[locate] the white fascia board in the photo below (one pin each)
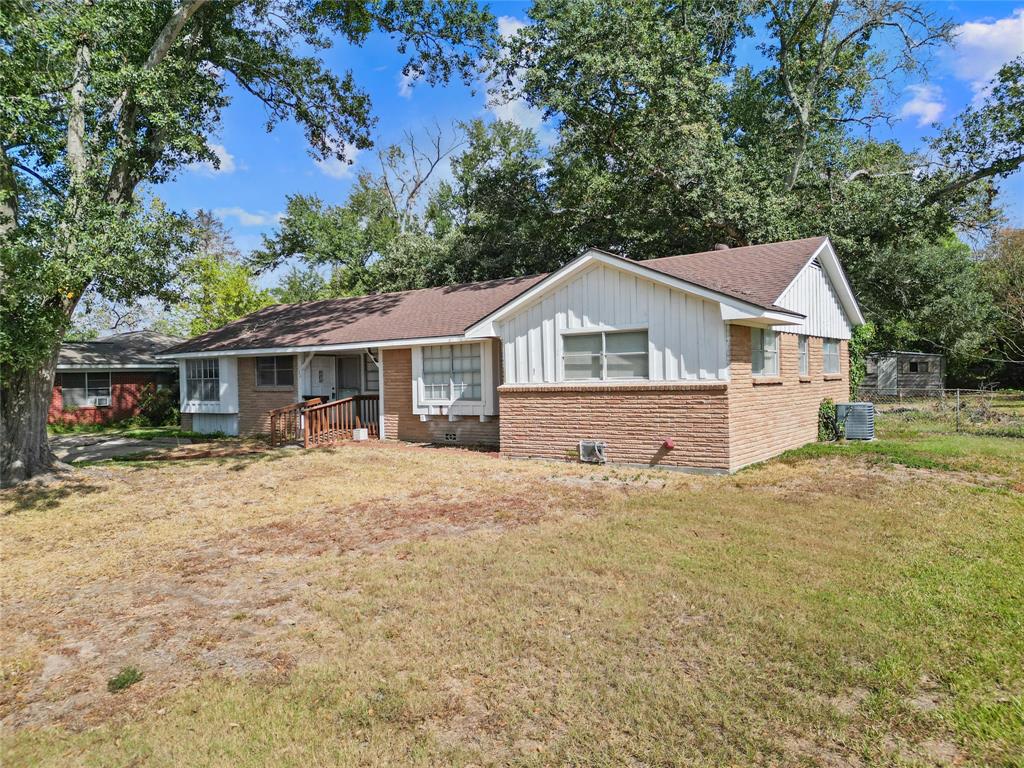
(766, 319)
(826, 254)
(485, 327)
(140, 367)
(359, 345)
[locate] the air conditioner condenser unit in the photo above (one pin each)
(592, 451)
(857, 420)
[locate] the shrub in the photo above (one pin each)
(158, 407)
(126, 678)
(829, 428)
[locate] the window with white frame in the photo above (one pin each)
(202, 380)
(802, 357)
(830, 355)
(371, 374)
(452, 372)
(83, 389)
(276, 371)
(764, 352)
(604, 355)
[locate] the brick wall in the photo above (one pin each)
(634, 420)
(254, 402)
(401, 423)
(769, 416)
(126, 390)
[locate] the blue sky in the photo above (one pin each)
(259, 170)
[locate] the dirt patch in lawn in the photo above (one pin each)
(210, 576)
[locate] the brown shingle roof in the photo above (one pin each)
(754, 273)
(426, 313)
(757, 274)
(134, 349)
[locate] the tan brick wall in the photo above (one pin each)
(634, 420)
(401, 423)
(254, 402)
(775, 415)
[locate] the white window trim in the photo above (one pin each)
(89, 399)
(803, 355)
(603, 332)
(838, 356)
(764, 374)
(486, 406)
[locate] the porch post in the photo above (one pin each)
(379, 362)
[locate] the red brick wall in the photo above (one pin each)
(634, 420)
(401, 423)
(255, 403)
(126, 390)
(768, 417)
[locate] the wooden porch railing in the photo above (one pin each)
(332, 422)
(286, 423)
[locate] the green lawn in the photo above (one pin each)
(847, 605)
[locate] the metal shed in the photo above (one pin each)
(891, 372)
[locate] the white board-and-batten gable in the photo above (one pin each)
(687, 335)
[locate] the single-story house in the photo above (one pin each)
(888, 373)
(103, 381)
(708, 361)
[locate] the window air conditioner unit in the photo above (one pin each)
(100, 402)
(592, 451)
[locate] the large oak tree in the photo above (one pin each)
(102, 97)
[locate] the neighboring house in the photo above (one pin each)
(709, 361)
(102, 381)
(890, 372)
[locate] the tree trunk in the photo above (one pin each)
(24, 405)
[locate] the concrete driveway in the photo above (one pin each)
(99, 447)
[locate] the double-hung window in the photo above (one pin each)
(764, 352)
(802, 356)
(202, 380)
(830, 356)
(83, 389)
(276, 371)
(451, 372)
(604, 355)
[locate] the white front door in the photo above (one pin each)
(321, 374)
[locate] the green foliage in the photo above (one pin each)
(300, 285)
(99, 99)
(159, 407)
(1002, 272)
(126, 678)
(930, 298)
(829, 428)
(861, 342)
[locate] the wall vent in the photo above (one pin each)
(592, 451)
(857, 419)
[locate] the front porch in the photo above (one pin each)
(313, 423)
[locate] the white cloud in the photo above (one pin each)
(982, 47)
(340, 169)
(509, 25)
(247, 218)
(405, 83)
(515, 110)
(926, 104)
(225, 158)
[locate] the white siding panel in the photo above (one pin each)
(812, 294)
(686, 334)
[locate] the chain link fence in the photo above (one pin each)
(981, 411)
